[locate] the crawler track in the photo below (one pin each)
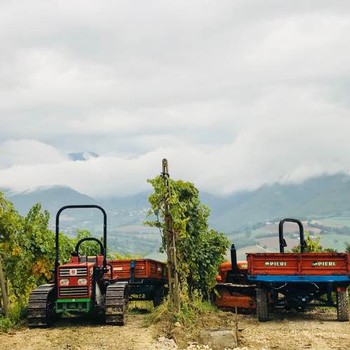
(41, 312)
(116, 303)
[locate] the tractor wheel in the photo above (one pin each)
(343, 305)
(262, 307)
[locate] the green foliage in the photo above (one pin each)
(347, 248)
(5, 324)
(199, 249)
(27, 250)
(17, 312)
(117, 256)
(27, 253)
(38, 244)
(192, 314)
(192, 309)
(88, 247)
(66, 246)
(313, 245)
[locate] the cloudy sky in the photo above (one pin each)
(234, 93)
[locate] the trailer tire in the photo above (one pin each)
(158, 296)
(343, 305)
(262, 307)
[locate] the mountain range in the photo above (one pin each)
(325, 196)
(315, 198)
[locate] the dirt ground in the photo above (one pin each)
(78, 334)
(314, 330)
(288, 331)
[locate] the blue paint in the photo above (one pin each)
(299, 278)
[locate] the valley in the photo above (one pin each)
(249, 219)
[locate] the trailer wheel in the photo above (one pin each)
(343, 305)
(262, 307)
(158, 297)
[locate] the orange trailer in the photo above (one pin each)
(147, 278)
(299, 280)
(285, 280)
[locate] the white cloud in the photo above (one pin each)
(236, 94)
(27, 153)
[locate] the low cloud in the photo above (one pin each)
(27, 152)
(235, 94)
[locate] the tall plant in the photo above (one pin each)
(199, 249)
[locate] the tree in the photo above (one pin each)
(199, 249)
(39, 242)
(27, 248)
(88, 247)
(347, 247)
(10, 242)
(313, 245)
(27, 252)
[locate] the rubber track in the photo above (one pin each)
(116, 303)
(41, 311)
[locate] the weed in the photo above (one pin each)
(5, 324)
(140, 307)
(17, 313)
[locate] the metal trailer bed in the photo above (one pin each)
(147, 278)
(299, 280)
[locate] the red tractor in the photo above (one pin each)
(84, 285)
(233, 290)
(298, 281)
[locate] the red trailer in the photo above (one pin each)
(147, 278)
(285, 280)
(299, 265)
(299, 280)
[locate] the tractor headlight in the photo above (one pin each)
(64, 282)
(82, 281)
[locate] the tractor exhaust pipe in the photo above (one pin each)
(234, 265)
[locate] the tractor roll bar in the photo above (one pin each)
(58, 230)
(301, 234)
(93, 239)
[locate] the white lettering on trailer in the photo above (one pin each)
(275, 263)
(323, 263)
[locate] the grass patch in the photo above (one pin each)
(140, 307)
(185, 325)
(17, 314)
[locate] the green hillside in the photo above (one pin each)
(323, 201)
(325, 196)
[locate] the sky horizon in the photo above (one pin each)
(234, 94)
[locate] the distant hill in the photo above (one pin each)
(125, 217)
(51, 198)
(315, 199)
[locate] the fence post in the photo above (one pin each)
(170, 238)
(4, 298)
